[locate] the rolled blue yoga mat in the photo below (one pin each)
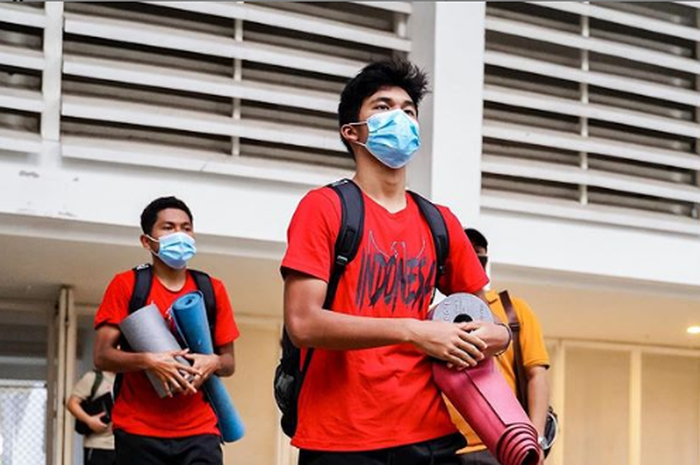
(191, 321)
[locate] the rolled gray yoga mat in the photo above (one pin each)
(146, 331)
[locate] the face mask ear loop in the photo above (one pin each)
(356, 123)
(152, 239)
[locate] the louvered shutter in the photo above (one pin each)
(217, 79)
(591, 112)
(21, 66)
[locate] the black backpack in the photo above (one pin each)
(289, 378)
(139, 296)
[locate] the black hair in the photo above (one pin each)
(397, 72)
(477, 239)
(149, 216)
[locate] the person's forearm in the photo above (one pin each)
(309, 325)
(119, 361)
(227, 365)
(76, 410)
(497, 339)
(338, 331)
(496, 336)
(538, 399)
(482, 295)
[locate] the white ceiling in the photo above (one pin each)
(35, 269)
(592, 307)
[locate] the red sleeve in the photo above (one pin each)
(312, 233)
(115, 303)
(463, 272)
(225, 329)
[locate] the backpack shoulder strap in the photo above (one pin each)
(143, 281)
(99, 376)
(352, 220)
(347, 243)
(513, 321)
(438, 229)
(204, 284)
(518, 367)
(142, 287)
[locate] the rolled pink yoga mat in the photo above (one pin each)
(482, 396)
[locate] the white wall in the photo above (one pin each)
(448, 42)
(255, 199)
(49, 186)
(596, 249)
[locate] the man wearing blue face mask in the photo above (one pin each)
(182, 427)
(367, 395)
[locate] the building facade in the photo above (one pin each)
(566, 132)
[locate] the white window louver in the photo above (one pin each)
(221, 79)
(591, 112)
(21, 66)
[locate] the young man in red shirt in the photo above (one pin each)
(181, 428)
(368, 396)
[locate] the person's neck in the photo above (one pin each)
(384, 185)
(171, 278)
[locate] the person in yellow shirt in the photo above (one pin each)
(535, 361)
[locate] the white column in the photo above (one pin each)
(557, 399)
(635, 414)
(60, 384)
(71, 330)
(51, 377)
(51, 81)
(448, 42)
(237, 77)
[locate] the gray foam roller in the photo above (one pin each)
(146, 331)
(462, 307)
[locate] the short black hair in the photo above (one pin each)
(149, 216)
(477, 239)
(397, 72)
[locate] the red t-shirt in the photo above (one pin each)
(382, 397)
(138, 409)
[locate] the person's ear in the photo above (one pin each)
(349, 133)
(146, 242)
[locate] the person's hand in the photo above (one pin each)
(170, 372)
(494, 335)
(205, 364)
(450, 342)
(95, 424)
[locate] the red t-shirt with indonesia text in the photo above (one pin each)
(138, 409)
(381, 397)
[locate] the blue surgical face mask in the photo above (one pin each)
(175, 249)
(393, 137)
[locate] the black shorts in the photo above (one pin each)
(133, 449)
(98, 456)
(440, 451)
(482, 457)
